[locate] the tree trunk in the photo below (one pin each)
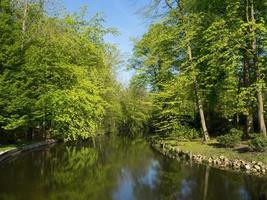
(261, 113)
(199, 102)
(258, 73)
(24, 21)
(246, 84)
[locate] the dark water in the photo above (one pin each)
(118, 169)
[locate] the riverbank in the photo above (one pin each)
(212, 154)
(12, 150)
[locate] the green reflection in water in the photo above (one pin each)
(119, 169)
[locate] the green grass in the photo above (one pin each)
(212, 148)
(14, 146)
(7, 147)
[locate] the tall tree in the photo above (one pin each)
(254, 47)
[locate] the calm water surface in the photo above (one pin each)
(118, 169)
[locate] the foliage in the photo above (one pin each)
(231, 139)
(258, 144)
(185, 133)
(135, 106)
(57, 75)
(204, 64)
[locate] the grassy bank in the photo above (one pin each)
(213, 149)
(7, 147)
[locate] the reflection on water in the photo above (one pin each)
(150, 177)
(126, 186)
(119, 169)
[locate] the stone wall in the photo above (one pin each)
(253, 167)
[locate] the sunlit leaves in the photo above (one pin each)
(59, 89)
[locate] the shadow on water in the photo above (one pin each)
(119, 169)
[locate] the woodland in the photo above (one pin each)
(200, 72)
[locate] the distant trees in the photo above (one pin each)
(136, 107)
(57, 77)
(205, 64)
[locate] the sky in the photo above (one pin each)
(121, 14)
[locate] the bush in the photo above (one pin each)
(237, 132)
(231, 139)
(185, 133)
(258, 143)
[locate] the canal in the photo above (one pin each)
(119, 169)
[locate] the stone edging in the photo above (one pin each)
(255, 168)
(6, 154)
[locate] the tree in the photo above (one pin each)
(53, 83)
(254, 47)
(219, 48)
(187, 28)
(10, 60)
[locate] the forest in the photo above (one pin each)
(57, 75)
(200, 72)
(204, 64)
(189, 124)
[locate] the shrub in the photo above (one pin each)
(258, 143)
(231, 139)
(184, 132)
(237, 132)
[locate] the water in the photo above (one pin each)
(118, 169)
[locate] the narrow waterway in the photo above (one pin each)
(118, 169)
